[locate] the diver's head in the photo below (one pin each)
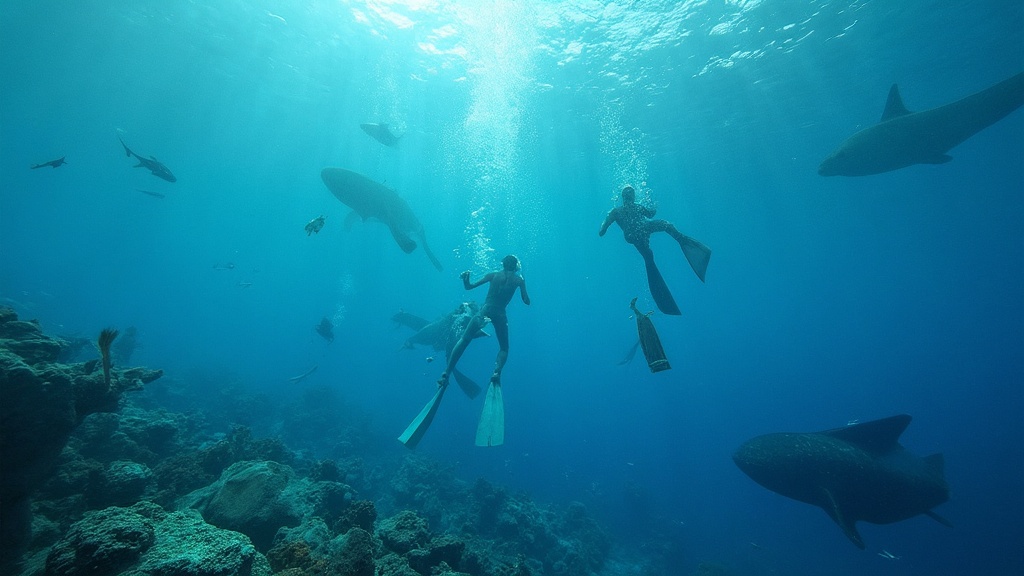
(510, 263)
(628, 195)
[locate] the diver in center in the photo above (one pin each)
(637, 223)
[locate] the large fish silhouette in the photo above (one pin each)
(370, 199)
(855, 473)
(903, 138)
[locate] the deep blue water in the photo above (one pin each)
(827, 299)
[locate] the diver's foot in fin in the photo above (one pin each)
(443, 380)
(496, 379)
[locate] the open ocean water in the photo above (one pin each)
(827, 300)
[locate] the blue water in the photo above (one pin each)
(827, 299)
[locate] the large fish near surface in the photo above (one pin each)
(903, 138)
(370, 199)
(381, 133)
(856, 473)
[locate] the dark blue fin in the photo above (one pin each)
(848, 525)
(878, 436)
(894, 107)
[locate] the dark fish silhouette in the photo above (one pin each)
(369, 199)
(151, 164)
(903, 138)
(52, 163)
(856, 473)
(381, 133)
(325, 329)
(443, 334)
(153, 194)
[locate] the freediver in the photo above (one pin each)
(502, 286)
(637, 223)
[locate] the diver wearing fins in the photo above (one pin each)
(502, 286)
(636, 221)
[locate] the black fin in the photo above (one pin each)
(877, 436)
(938, 518)
(848, 526)
(894, 107)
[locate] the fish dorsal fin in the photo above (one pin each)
(877, 436)
(849, 528)
(894, 107)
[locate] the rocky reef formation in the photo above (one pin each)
(111, 488)
(43, 402)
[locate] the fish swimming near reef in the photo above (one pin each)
(52, 163)
(370, 199)
(151, 164)
(381, 133)
(903, 138)
(855, 473)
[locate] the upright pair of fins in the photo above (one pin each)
(490, 431)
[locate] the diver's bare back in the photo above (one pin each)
(500, 291)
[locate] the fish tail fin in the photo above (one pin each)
(127, 152)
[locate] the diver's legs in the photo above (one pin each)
(501, 332)
(659, 289)
(467, 336)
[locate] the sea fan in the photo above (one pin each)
(106, 338)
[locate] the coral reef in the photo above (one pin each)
(118, 489)
(144, 539)
(43, 403)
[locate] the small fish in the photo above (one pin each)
(430, 359)
(153, 194)
(52, 163)
(244, 284)
(888, 555)
(303, 376)
(315, 225)
(225, 266)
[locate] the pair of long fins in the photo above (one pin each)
(696, 253)
(489, 432)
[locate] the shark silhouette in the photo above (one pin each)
(855, 473)
(369, 199)
(903, 138)
(381, 133)
(52, 163)
(151, 164)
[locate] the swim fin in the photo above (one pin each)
(466, 383)
(696, 254)
(649, 341)
(414, 433)
(659, 289)
(491, 430)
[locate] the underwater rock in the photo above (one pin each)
(104, 542)
(355, 554)
(247, 499)
(392, 564)
(359, 514)
(297, 557)
(444, 550)
(145, 539)
(125, 481)
(43, 402)
(404, 532)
